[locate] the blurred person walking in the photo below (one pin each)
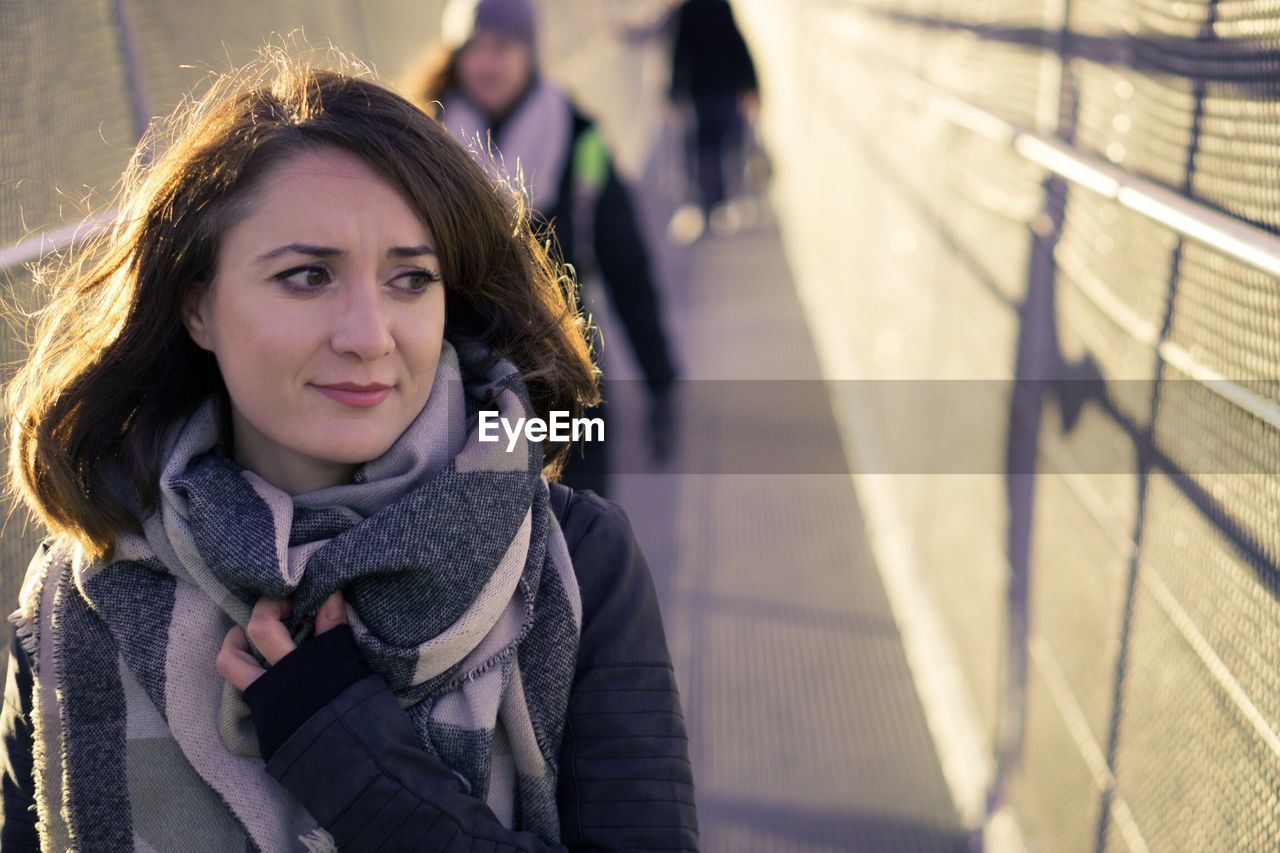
(485, 85)
(714, 78)
(293, 599)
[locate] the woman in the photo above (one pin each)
(486, 88)
(291, 600)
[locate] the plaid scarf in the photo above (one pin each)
(460, 593)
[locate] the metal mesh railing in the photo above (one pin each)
(971, 192)
(1086, 191)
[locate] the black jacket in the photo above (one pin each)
(709, 58)
(346, 750)
(617, 248)
(603, 235)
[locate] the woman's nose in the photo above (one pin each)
(363, 328)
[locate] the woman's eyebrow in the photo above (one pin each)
(328, 251)
(301, 249)
(411, 251)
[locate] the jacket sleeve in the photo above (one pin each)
(18, 818)
(357, 767)
(623, 258)
(625, 777)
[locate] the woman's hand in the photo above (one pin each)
(266, 629)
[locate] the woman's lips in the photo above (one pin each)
(355, 394)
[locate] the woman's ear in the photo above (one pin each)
(196, 316)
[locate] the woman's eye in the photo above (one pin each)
(418, 280)
(305, 278)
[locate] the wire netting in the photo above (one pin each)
(1145, 548)
(1136, 707)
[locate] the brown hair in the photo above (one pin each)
(111, 365)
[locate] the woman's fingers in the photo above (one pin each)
(269, 636)
(267, 632)
(332, 613)
(234, 663)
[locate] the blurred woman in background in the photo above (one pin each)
(485, 86)
(291, 600)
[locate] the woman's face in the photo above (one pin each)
(326, 316)
(493, 69)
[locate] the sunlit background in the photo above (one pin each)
(1033, 243)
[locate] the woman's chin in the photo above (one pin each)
(354, 455)
(348, 449)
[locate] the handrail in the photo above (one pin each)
(42, 243)
(1246, 243)
(1249, 244)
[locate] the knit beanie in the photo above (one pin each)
(516, 19)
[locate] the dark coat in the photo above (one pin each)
(336, 738)
(710, 58)
(616, 247)
(594, 227)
